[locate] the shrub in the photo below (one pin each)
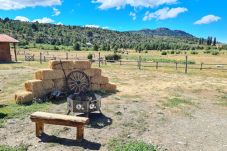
(207, 51)
(146, 51)
(164, 53)
(90, 56)
(172, 52)
(177, 52)
(194, 52)
(215, 53)
(113, 57)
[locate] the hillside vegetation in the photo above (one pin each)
(32, 34)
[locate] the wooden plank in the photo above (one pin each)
(51, 118)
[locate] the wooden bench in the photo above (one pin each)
(41, 118)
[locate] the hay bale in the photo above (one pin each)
(59, 84)
(33, 85)
(82, 65)
(109, 87)
(23, 97)
(99, 80)
(93, 72)
(56, 65)
(67, 72)
(95, 87)
(48, 84)
(36, 87)
(49, 74)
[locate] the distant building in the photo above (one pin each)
(5, 41)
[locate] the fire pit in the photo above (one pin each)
(81, 99)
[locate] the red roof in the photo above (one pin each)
(6, 38)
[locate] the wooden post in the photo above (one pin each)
(40, 57)
(15, 51)
(105, 61)
(156, 65)
(39, 128)
(139, 62)
(99, 59)
(201, 66)
(120, 62)
(44, 58)
(176, 65)
(66, 56)
(186, 64)
(80, 132)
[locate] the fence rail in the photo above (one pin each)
(138, 63)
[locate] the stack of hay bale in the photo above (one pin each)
(48, 80)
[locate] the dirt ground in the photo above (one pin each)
(141, 110)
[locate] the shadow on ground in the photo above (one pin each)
(70, 142)
(99, 120)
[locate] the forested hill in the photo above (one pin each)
(35, 33)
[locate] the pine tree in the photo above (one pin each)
(214, 42)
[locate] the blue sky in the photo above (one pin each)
(201, 18)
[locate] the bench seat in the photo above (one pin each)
(41, 118)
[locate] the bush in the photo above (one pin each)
(207, 51)
(113, 57)
(90, 56)
(172, 52)
(164, 53)
(177, 52)
(194, 52)
(215, 53)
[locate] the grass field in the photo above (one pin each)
(165, 108)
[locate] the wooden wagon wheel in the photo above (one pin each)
(77, 82)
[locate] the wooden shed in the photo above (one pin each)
(5, 41)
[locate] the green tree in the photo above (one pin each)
(76, 47)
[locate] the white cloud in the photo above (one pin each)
(92, 26)
(56, 12)
(19, 4)
(106, 4)
(105, 27)
(59, 23)
(96, 26)
(133, 15)
(207, 19)
(164, 13)
(22, 18)
(44, 20)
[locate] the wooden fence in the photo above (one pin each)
(137, 63)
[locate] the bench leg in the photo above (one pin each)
(39, 128)
(80, 132)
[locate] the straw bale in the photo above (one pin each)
(36, 87)
(99, 80)
(59, 84)
(95, 87)
(108, 87)
(23, 97)
(49, 74)
(48, 84)
(82, 65)
(56, 65)
(93, 72)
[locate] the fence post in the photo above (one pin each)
(201, 66)
(120, 62)
(67, 56)
(40, 57)
(139, 62)
(99, 59)
(105, 61)
(44, 58)
(176, 65)
(156, 65)
(186, 64)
